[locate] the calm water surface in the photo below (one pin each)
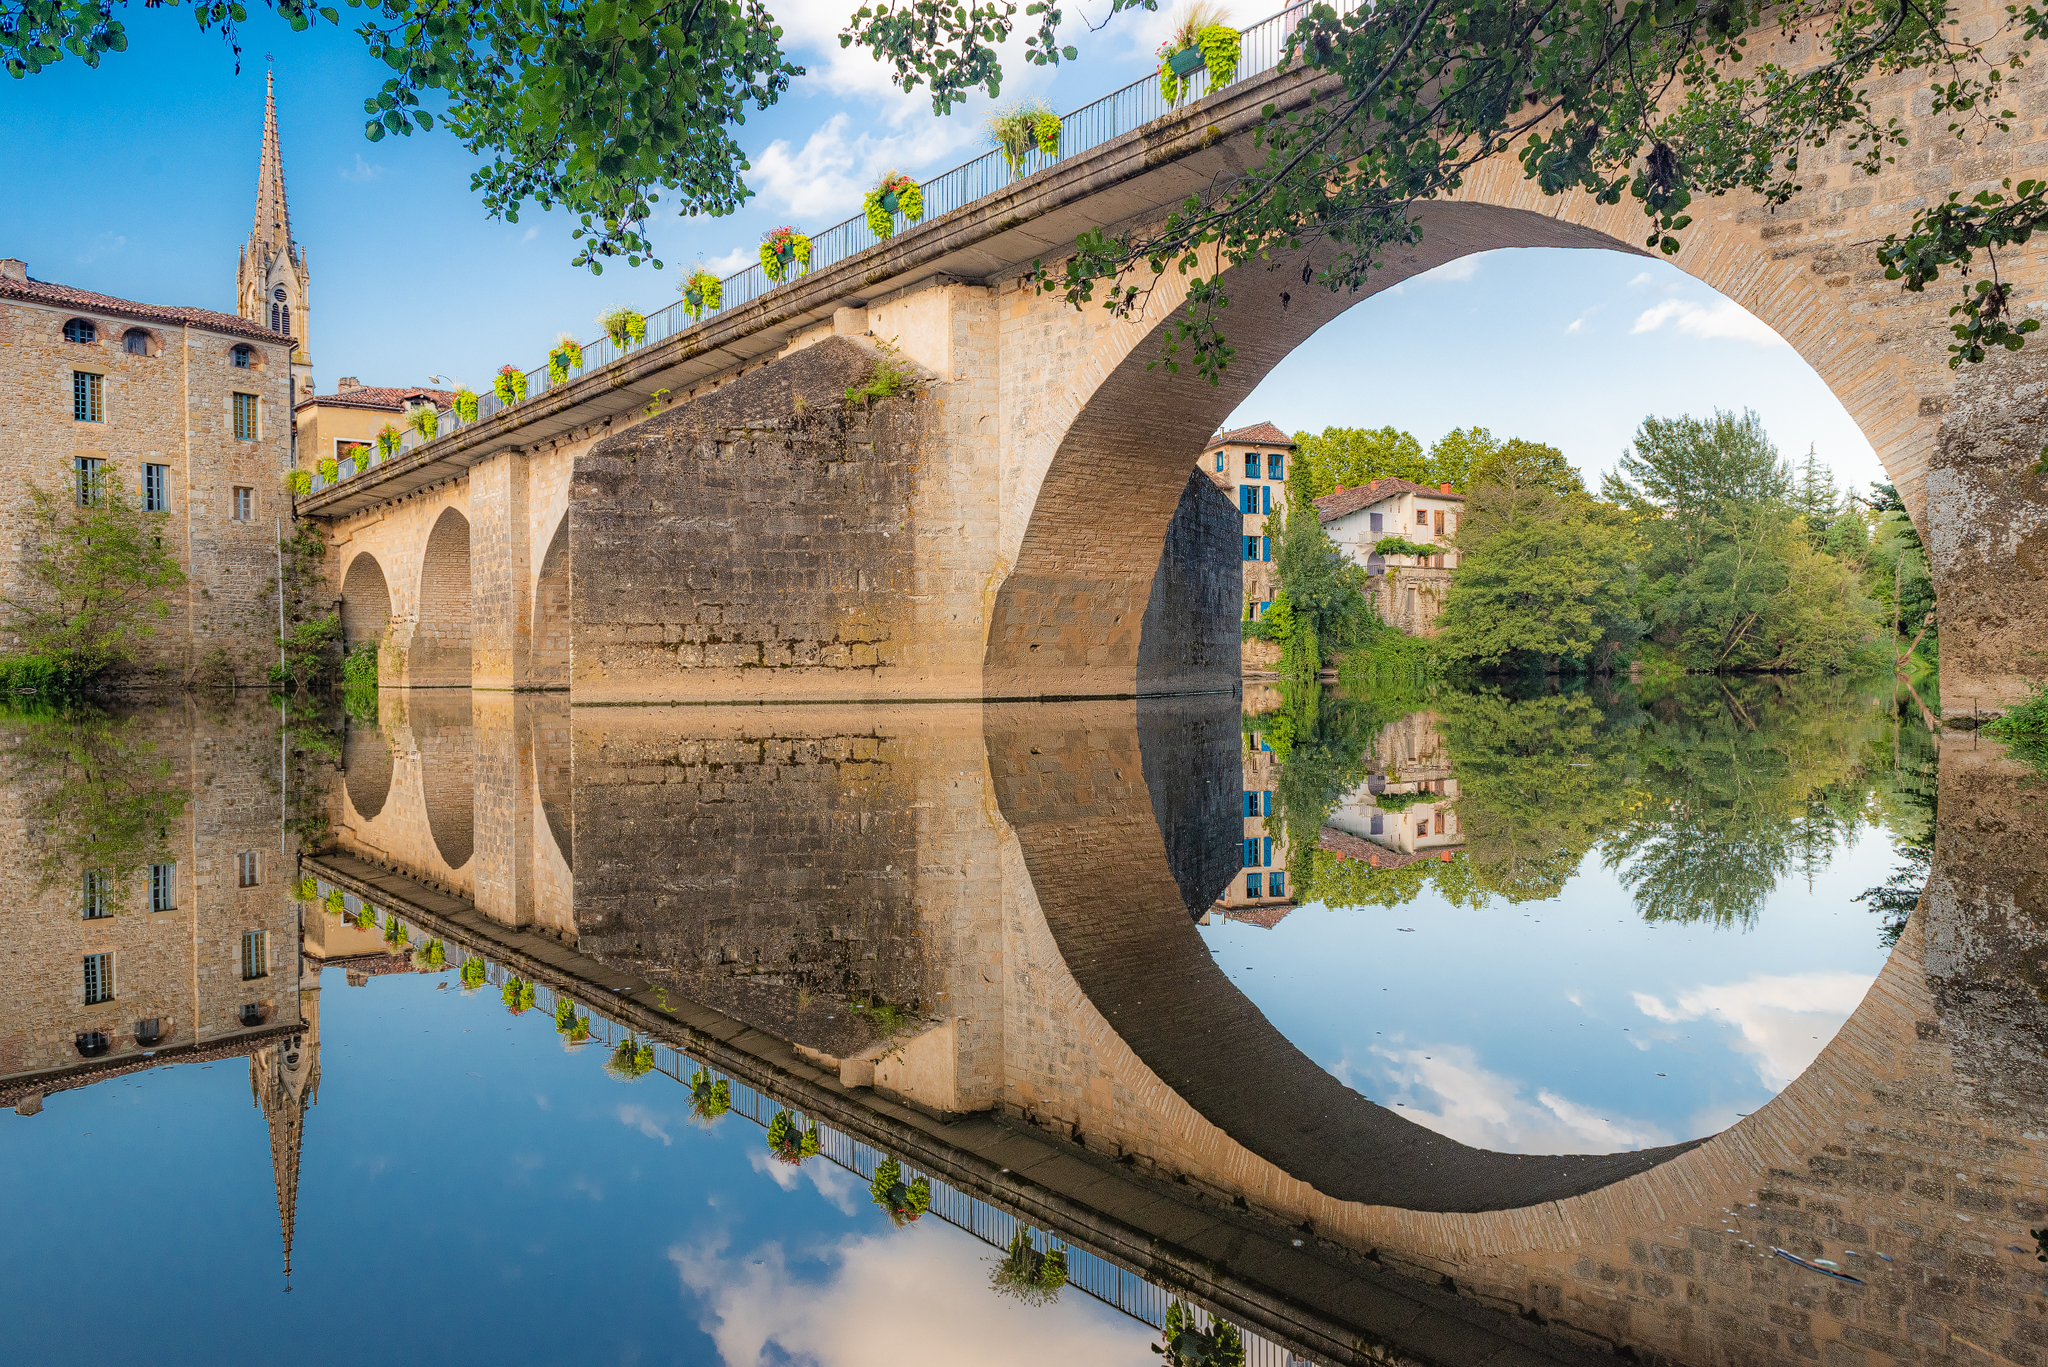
(343, 1090)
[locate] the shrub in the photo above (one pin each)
(568, 1024)
(388, 438)
(1021, 127)
(790, 1140)
(1034, 1277)
(517, 994)
(510, 384)
(909, 203)
(903, 1202)
(889, 379)
(472, 974)
(463, 402)
(631, 1060)
(329, 468)
(298, 483)
(709, 1099)
(2024, 728)
(305, 890)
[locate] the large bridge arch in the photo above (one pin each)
(365, 602)
(440, 654)
(1062, 622)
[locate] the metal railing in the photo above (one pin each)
(1115, 114)
(1113, 1285)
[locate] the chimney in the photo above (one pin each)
(1446, 488)
(345, 384)
(13, 268)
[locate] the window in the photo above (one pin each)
(1265, 607)
(243, 505)
(79, 330)
(148, 1032)
(1276, 884)
(1421, 518)
(245, 417)
(255, 955)
(88, 469)
(1378, 524)
(163, 887)
(242, 358)
(1219, 462)
(357, 451)
(1251, 548)
(1379, 824)
(251, 1014)
(156, 485)
(1251, 852)
(1251, 885)
(245, 873)
(135, 342)
(1439, 823)
(1266, 799)
(1439, 522)
(1251, 804)
(1275, 469)
(99, 978)
(1251, 465)
(87, 397)
(281, 318)
(93, 895)
(1248, 498)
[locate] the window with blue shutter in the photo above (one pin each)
(1274, 468)
(1268, 807)
(1276, 885)
(1247, 498)
(1265, 498)
(1251, 466)
(1265, 548)
(1251, 804)
(1379, 824)
(1219, 462)
(1251, 885)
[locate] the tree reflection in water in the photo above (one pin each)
(1701, 796)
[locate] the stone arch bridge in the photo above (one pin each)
(708, 518)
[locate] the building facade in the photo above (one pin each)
(344, 425)
(187, 413)
(1259, 894)
(1250, 466)
(1408, 586)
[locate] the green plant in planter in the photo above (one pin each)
(395, 932)
(298, 482)
(1034, 1277)
(703, 292)
(305, 890)
(329, 468)
(783, 248)
(564, 356)
(472, 974)
(517, 994)
(366, 919)
(791, 1141)
(334, 904)
(626, 327)
(509, 384)
(1401, 545)
(1220, 1345)
(573, 1028)
(463, 401)
(631, 1060)
(1021, 127)
(430, 956)
(709, 1099)
(1200, 38)
(425, 421)
(388, 438)
(903, 1202)
(1401, 802)
(895, 194)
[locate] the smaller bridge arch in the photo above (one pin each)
(365, 602)
(440, 655)
(549, 664)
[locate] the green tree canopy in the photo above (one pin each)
(1457, 453)
(1351, 456)
(1684, 473)
(1519, 464)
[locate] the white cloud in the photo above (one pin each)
(826, 177)
(1574, 326)
(1641, 278)
(738, 259)
(1464, 268)
(1784, 1021)
(1724, 318)
(1446, 1089)
(530, 233)
(829, 1179)
(362, 170)
(758, 1310)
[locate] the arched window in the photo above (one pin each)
(286, 309)
(135, 342)
(276, 318)
(243, 357)
(80, 330)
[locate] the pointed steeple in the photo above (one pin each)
(272, 233)
(272, 285)
(284, 1080)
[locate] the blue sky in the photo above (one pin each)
(147, 167)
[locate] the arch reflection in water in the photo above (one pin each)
(991, 910)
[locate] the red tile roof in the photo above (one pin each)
(382, 397)
(1258, 434)
(85, 301)
(1332, 506)
(1345, 845)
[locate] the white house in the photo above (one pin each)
(1408, 587)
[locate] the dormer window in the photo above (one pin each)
(243, 357)
(80, 330)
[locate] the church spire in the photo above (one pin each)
(284, 1080)
(272, 284)
(272, 233)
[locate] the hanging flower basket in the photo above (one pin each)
(298, 482)
(573, 1028)
(330, 469)
(626, 327)
(510, 385)
(896, 194)
(708, 1099)
(425, 421)
(782, 249)
(464, 404)
(472, 974)
(517, 994)
(703, 292)
(387, 441)
(631, 1060)
(1199, 40)
(790, 1140)
(902, 1201)
(565, 356)
(1022, 127)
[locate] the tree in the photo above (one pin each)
(1684, 474)
(1457, 453)
(1761, 597)
(1516, 463)
(1351, 456)
(95, 576)
(1817, 499)
(1327, 607)
(1543, 579)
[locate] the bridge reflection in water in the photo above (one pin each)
(964, 936)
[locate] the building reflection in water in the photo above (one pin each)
(964, 938)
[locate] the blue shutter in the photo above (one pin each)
(1268, 795)
(1265, 498)
(1265, 548)
(1276, 885)
(1269, 851)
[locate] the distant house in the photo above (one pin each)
(340, 424)
(1408, 588)
(1250, 466)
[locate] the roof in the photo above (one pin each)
(1258, 434)
(1345, 502)
(382, 397)
(85, 301)
(1345, 845)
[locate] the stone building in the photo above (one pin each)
(1408, 589)
(272, 284)
(188, 413)
(1407, 807)
(1258, 894)
(1249, 464)
(338, 426)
